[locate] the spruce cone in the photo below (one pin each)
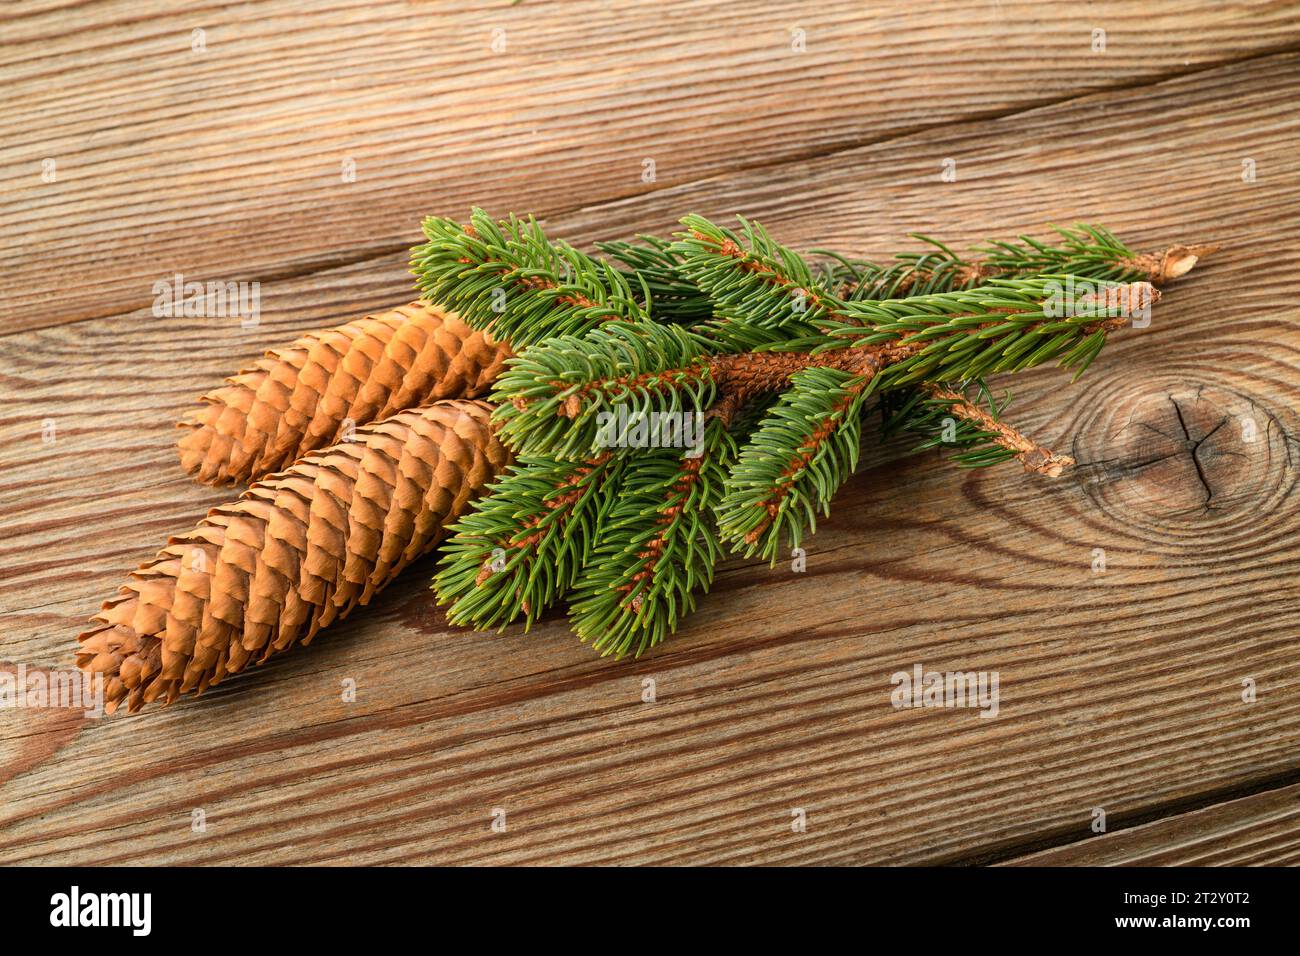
(302, 397)
(295, 552)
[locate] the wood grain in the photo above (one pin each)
(228, 163)
(1260, 829)
(1120, 689)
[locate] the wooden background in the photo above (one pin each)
(1120, 691)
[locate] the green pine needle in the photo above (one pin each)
(654, 264)
(1089, 251)
(911, 273)
(752, 279)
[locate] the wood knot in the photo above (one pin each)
(1164, 455)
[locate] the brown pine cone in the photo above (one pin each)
(302, 397)
(295, 552)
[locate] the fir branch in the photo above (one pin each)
(802, 452)
(1093, 252)
(654, 264)
(808, 445)
(508, 278)
(767, 296)
(951, 420)
(1086, 251)
(1006, 325)
(757, 285)
(658, 546)
(524, 543)
(1029, 453)
(561, 395)
(910, 273)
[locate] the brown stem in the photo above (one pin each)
(745, 375)
(740, 376)
(1174, 263)
(1033, 456)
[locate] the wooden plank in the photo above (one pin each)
(1259, 830)
(1119, 690)
(228, 163)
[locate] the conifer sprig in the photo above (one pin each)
(659, 546)
(525, 542)
(937, 269)
(972, 427)
(568, 395)
(1007, 325)
(764, 294)
(988, 439)
(1086, 251)
(509, 278)
(801, 453)
(555, 394)
(1092, 252)
(711, 327)
(767, 296)
(654, 264)
(952, 337)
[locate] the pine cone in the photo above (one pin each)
(302, 397)
(295, 552)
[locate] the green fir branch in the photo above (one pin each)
(1088, 251)
(931, 418)
(1007, 325)
(509, 278)
(658, 546)
(569, 396)
(522, 545)
(764, 294)
(654, 263)
(938, 269)
(796, 460)
(808, 445)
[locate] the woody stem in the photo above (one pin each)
(1029, 453)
